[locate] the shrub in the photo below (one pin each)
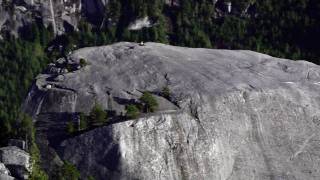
(69, 68)
(70, 127)
(83, 62)
(132, 111)
(83, 121)
(69, 172)
(90, 178)
(149, 102)
(97, 115)
(26, 126)
(166, 92)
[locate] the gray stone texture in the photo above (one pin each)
(61, 15)
(16, 160)
(232, 114)
(3, 169)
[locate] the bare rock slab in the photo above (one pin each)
(230, 115)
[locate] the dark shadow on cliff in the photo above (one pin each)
(53, 125)
(111, 159)
(99, 148)
(123, 101)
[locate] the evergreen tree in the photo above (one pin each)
(68, 172)
(132, 111)
(97, 115)
(149, 102)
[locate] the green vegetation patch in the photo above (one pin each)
(98, 115)
(133, 111)
(149, 102)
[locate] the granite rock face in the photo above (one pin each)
(6, 177)
(230, 115)
(3, 169)
(61, 15)
(16, 160)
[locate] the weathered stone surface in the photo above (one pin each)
(6, 177)
(242, 115)
(16, 160)
(12, 155)
(3, 169)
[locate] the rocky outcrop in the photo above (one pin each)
(6, 177)
(3, 169)
(231, 115)
(61, 15)
(16, 160)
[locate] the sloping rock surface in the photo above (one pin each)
(16, 160)
(233, 114)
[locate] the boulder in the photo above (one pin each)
(230, 115)
(61, 61)
(16, 160)
(4, 170)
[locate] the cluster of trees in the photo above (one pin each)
(287, 29)
(26, 131)
(20, 61)
(69, 172)
(148, 104)
(98, 116)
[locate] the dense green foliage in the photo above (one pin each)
(149, 102)
(68, 172)
(288, 28)
(37, 172)
(27, 131)
(20, 61)
(132, 111)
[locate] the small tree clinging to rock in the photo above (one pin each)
(70, 127)
(83, 121)
(68, 172)
(132, 111)
(149, 102)
(83, 62)
(165, 92)
(97, 115)
(26, 126)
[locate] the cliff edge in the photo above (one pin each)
(230, 115)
